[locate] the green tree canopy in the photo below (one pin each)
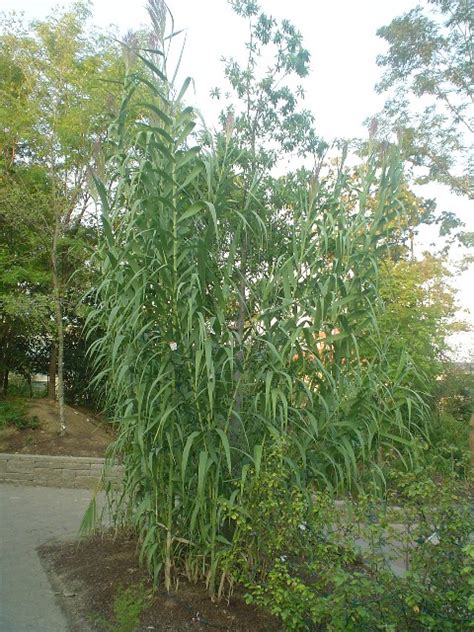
(428, 74)
(56, 101)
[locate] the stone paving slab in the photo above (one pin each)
(30, 516)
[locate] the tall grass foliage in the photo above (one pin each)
(205, 364)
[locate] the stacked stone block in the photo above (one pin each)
(82, 472)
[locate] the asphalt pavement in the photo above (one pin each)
(30, 516)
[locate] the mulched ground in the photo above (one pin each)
(86, 434)
(92, 573)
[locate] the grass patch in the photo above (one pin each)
(13, 413)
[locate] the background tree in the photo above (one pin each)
(419, 312)
(62, 71)
(428, 72)
(25, 300)
(25, 280)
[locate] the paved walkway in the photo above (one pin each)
(30, 516)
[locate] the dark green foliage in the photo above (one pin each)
(78, 373)
(56, 99)
(21, 388)
(25, 296)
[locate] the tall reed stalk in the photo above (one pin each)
(198, 397)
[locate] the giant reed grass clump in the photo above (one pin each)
(228, 321)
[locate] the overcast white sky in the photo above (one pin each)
(341, 37)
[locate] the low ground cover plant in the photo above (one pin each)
(129, 604)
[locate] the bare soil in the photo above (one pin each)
(93, 573)
(86, 434)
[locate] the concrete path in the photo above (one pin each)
(30, 516)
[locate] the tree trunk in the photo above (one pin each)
(471, 440)
(5, 382)
(4, 363)
(53, 367)
(58, 313)
(59, 324)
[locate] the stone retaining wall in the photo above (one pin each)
(55, 471)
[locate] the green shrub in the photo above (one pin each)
(338, 567)
(455, 392)
(468, 571)
(448, 452)
(443, 454)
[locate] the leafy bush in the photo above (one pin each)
(455, 392)
(442, 453)
(448, 452)
(468, 571)
(374, 563)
